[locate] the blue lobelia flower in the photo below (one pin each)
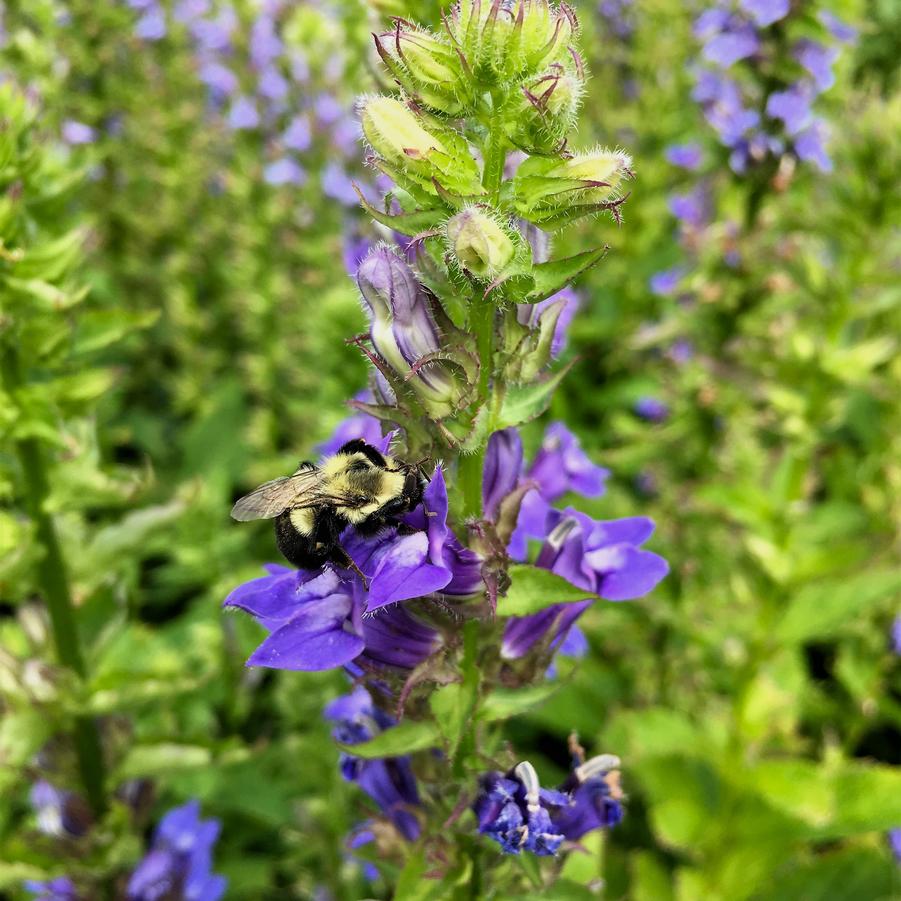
(360, 425)
(896, 635)
(817, 59)
(735, 40)
(513, 810)
(595, 795)
(810, 146)
(152, 25)
(691, 208)
(667, 281)
(561, 466)
(59, 812)
(389, 781)
(179, 863)
(792, 107)
(299, 134)
(243, 114)
(651, 409)
(77, 133)
(530, 314)
(60, 889)
(765, 12)
(284, 171)
(555, 624)
(840, 30)
(686, 156)
(894, 838)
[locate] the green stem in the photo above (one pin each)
(495, 157)
(53, 579)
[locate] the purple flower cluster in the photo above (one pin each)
(178, 866)
(618, 16)
(731, 104)
(516, 812)
(602, 557)
(389, 781)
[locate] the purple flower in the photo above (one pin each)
(894, 837)
(723, 107)
(265, 44)
(328, 110)
(337, 184)
(243, 114)
(513, 810)
(553, 624)
(60, 889)
(667, 281)
(711, 22)
(389, 781)
(686, 156)
(651, 409)
(362, 835)
(603, 557)
(220, 80)
(77, 132)
(561, 466)
(357, 426)
(284, 171)
(818, 60)
(179, 862)
(213, 36)
(272, 84)
(810, 146)
(691, 208)
(501, 470)
(765, 12)
(404, 330)
(356, 248)
(594, 789)
(791, 106)
(753, 149)
(728, 47)
(681, 351)
(186, 11)
(840, 30)
(896, 635)
(298, 135)
(59, 812)
(152, 25)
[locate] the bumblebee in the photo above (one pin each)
(358, 486)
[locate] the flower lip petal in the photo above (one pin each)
(293, 647)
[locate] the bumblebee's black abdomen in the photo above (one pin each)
(313, 550)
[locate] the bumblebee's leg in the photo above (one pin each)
(341, 558)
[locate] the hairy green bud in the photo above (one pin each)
(545, 109)
(480, 245)
(428, 154)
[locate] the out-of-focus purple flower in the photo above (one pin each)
(152, 25)
(646, 484)
(711, 22)
(691, 208)
(394, 638)
(356, 248)
(357, 426)
(791, 106)
(652, 409)
(561, 466)
(213, 36)
(77, 133)
(810, 146)
(765, 12)
(265, 44)
(346, 135)
(243, 114)
(179, 863)
(362, 835)
(618, 17)
(894, 838)
(686, 156)
(595, 791)
(728, 47)
(603, 557)
(553, 624)
(723, 106)
(284, 171)
(337, 184)
(327, 109)
(501, 470)
(840, 30)
(220, 80)
(59, 813)
(513, 810)
(896, 635)
(752, 150)
(681, 351)
(300, 68)
(187, 11)
(60, 889)
(389, 781)
(272, 84)
(818, 60)
(298, 135)
(667, 281)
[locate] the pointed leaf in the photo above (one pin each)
(532, 589)
(404, 738)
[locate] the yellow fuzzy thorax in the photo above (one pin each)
(376, 484)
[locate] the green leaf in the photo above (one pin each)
(523, 403)
(532, 589)
(413, 223)
(143, 761)
(505, 703)
(404, 738)
(553, 275)
(98, 329)
(822, 610)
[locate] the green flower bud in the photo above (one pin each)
(550, 192)
(415, 147)
(479, 244)
(427, 67)
(544, 110)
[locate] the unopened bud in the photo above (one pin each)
(605, 170)
(545, 110)
(480, 245)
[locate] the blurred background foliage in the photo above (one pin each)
(178, 322)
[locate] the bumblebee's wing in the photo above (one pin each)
(304, 488)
